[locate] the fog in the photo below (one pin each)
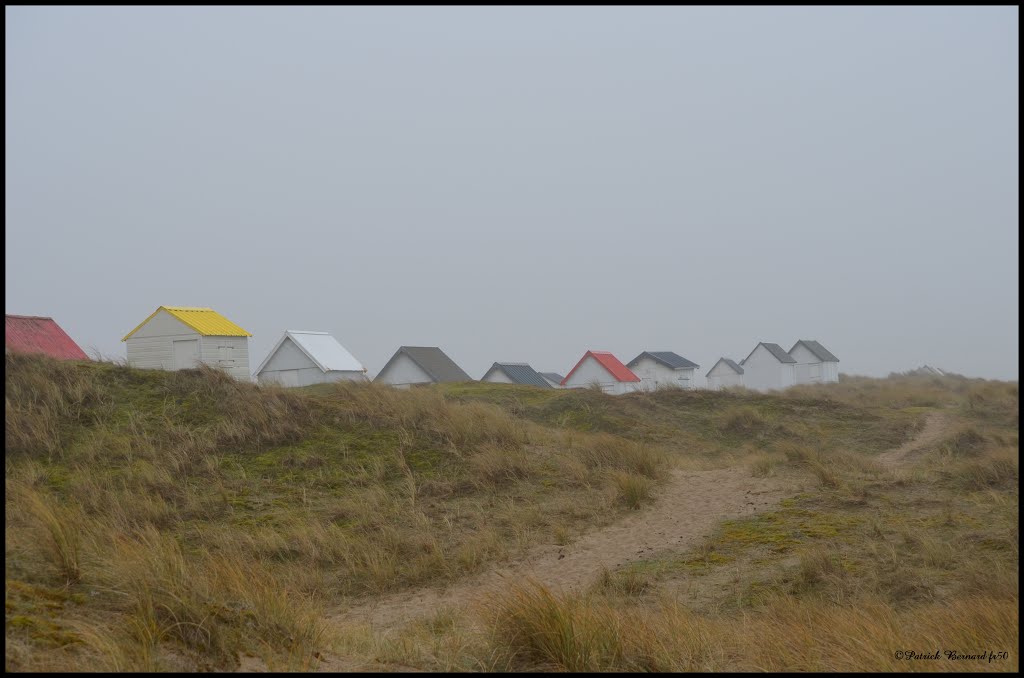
(524, 183)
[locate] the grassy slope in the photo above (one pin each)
(181, 520)
(839, 578)
(712, 424)
(866, 562)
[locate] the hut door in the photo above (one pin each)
(186, 353)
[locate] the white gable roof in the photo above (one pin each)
(320, 347)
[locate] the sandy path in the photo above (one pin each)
(935, 426)
(688, 508)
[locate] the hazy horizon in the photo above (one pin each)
(522, 184)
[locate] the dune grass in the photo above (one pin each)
(204, 520)
(532, 629)
(870, 568)
(185, 521)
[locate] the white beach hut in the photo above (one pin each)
(768, 368)
(815, 364)
(725, 373)
(663, 369)
(303, 358)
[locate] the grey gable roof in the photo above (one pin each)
(666, 358)
(727, 361)
(819, 351)
(521, 373)
(553, 376)
(435, 363)
(775, 350)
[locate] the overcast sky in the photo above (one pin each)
(524, 183)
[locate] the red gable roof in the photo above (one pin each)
(31, 334)
(610, 363)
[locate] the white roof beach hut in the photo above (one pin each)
(605, 370)
(302, 358)
(420, 365)
(663, 369)
(514, 373)
(815, 364)
(182, 337)
(768, 368)
(725, 373)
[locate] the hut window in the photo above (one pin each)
(227, 354)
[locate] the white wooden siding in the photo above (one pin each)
(288, 357)
(721, 381)
(186, 353)
(284, 377)
(762, 371)
(722, 376)
(239, 365)
(830, 372)
(496, 375)
(655, 375)
(803, 371)
(151, 348)
(150, 353)
(308, 376)
(402, 372)
(163, 324)
(337, 375)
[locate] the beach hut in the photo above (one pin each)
(514, 373)
(815, 364)
(554, 379)
(768, 368)
(303, 358)
(663, 369)
(726, 372)
(182, 337)
(605, 370)
(39, 334)
(420, 365)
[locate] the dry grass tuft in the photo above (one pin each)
(59, 524)
(631, 489)
(629, 582)
(964, 442)
(532, 629)
(742, 420)
(798, 454)
(998, 468)
(762, 467)
(606, 452)
(494, 466)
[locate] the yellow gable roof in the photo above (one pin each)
(205, 321)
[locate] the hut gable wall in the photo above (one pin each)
(403, 370)
(289, 357)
